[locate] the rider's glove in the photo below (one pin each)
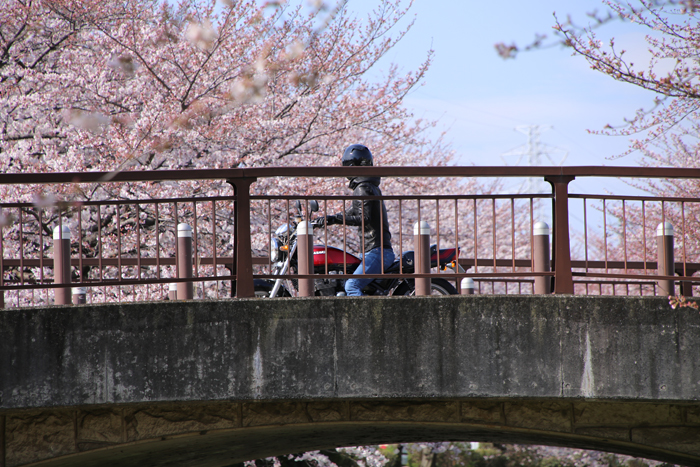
(332, 219)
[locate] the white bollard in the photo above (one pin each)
(172, 291)
(305, 257)
(467, 286)
(61, 264)
(185, 290)
(79, 295)
(665, 262)
(541, 257)
(421, 242)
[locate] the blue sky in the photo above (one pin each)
(479, 98)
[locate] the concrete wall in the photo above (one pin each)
(434, 347)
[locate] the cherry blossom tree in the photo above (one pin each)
(360, 456)
(663, 133)
(666, 134)
(672, 36)
(148, 85)
(613, 10)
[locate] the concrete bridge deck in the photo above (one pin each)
(215, 383)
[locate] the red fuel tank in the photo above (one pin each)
(335, 256)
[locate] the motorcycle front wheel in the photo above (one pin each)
(437, 287)
(263, 289)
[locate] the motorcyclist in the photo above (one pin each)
(376, 226)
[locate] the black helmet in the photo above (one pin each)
(357, 155)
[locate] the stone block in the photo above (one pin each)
(328, 411)
(37, 435)
(173, 419)
(275, 413)
(405, 411)
(552, 416)
(692, 414)
(482, 412)
(99, 428)
(626, 414)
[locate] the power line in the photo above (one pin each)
(536, 152)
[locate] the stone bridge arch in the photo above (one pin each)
(224, 433)
(216, 383)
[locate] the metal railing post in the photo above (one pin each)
(79, 295)
(563, 278)
(185, 290)
(2, 269)
(467, 286)
(541, 257)
(305, 255)
(421, 245)
(665, 261)
(61, 264)
(687, 286)
(244, 285)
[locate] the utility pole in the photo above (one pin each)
(535, 152)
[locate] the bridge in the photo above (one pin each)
(217, 377)
(220, 382)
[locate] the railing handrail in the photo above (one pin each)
(339, 172)
(240, 264)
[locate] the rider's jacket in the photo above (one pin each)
(375, 218)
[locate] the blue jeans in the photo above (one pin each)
(372, 265)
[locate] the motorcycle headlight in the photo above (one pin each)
(274, 249)
(282, 232)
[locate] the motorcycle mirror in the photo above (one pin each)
(313, 205)
(298, 205)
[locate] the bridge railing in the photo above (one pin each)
(133, 247)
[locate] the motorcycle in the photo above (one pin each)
(283, 244)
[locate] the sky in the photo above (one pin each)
(479, 99)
